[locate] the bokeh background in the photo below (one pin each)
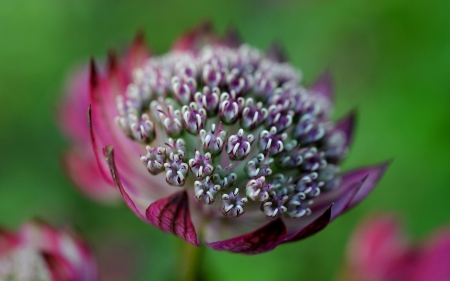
(390, 60)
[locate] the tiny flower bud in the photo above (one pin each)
(239, 147)
(233, 204)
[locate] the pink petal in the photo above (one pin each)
(82, 168)
(434, 262)
(171, 214)
(261, 240)
(324, 86)
(312, 228)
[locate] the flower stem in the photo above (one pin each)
(190, 262)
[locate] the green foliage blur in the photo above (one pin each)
(390, 60)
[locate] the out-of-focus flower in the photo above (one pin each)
(220, 140)
(40, 253)
(380, 251)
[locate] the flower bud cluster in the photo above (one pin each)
(236, 128)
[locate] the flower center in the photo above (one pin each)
(233, 125)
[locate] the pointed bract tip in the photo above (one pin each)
(139, 38)
(277, 52)
(232, 37)
(347, 125)
(113, 61)
(204, 26)
(93, 75)
(324, 85)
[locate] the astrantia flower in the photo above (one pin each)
(40, 253)
(219, 140)
(380, 251)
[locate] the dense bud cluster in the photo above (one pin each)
(235, 127)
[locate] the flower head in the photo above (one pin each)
(40, 253)
(221, 139)
(380, 251)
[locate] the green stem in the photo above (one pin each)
(190, 262)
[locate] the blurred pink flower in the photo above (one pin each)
(220, 140)
(380, 251)
(40, 253)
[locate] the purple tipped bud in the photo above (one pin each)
(292, 160)
(239, 82)
(279, 118)
(258, 189)
(211, 76)
(259, 166)
(264, 85)
(209, 100)
(206, 191)
(155, 159)
(186, 68)
(214, 140)
(140, 93)
(313, 159)
(140, 129)
(233, 204)
(309, 185)
(230, 107)
(201, 165)
(194, 118)
(176, 171)
(297, 207)
(253, 114)
(274, 206)
(308, 130)
(282, 185)
(170, 120)
(183, 89)
(224, 178)
(238, 147)
(271, 143)
(175, 147)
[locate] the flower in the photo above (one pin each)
(39, 252)
(219, 141)
(380, 251)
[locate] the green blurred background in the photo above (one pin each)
(390, 60)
